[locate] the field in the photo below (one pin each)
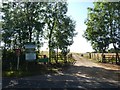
(44, 53)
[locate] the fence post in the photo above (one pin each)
(90, 55)
(103, 58)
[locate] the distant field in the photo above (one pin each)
(47, 53)
(44, 53)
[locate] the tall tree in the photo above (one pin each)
(36, 21)
(55, 12)
(96, 31)
(64, 34)
(114, 26)
(26, 19)
(103, 26)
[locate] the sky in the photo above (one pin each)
(78, 12)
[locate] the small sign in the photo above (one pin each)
(17, 51)
(30, 52)
(30, 56)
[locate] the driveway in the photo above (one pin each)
(84, 74)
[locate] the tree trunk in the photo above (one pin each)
(20, 46)
(103, 56)
(30, 38)
(29, 24)
(49, 52)
(50, 36)
(116, 51)
(57, 56)
(65, 59)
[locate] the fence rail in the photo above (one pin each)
(109, 57)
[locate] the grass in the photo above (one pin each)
(37, 69)
(26, 73)
(29, 72)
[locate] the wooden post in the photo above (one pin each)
(18, 63)
(18, 57)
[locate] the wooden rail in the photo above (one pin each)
(109, 57)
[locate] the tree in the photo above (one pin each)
(114, 22)
(24, 20)
(37, 21)
(96, 31)
(65, 39)
(103, 26)
(55, 12)
(7, 25)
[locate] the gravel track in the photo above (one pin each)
(83, 74)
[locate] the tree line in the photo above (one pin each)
(35, 22)
(103, 27)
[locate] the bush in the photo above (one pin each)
(9, 60)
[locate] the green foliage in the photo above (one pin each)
(60, 28)
(102, 25)
(22, 23)
(112, 50)
(35, 22)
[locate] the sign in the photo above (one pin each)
(17, 51)
(30, 54)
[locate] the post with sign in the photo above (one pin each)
(30, 54)
(18, 57)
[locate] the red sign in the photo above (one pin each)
(17, 51)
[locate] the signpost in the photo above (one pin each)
(17, 51)
(30, 54)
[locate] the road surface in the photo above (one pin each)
(84, 74)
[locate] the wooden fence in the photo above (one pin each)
(109, 57)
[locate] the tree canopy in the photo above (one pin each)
(36, 21)
(103, 24)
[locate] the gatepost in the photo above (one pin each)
(17, 51)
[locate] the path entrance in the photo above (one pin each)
(83, 74)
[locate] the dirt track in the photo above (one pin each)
(83, 74)
(87, 68)
(80, 61)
